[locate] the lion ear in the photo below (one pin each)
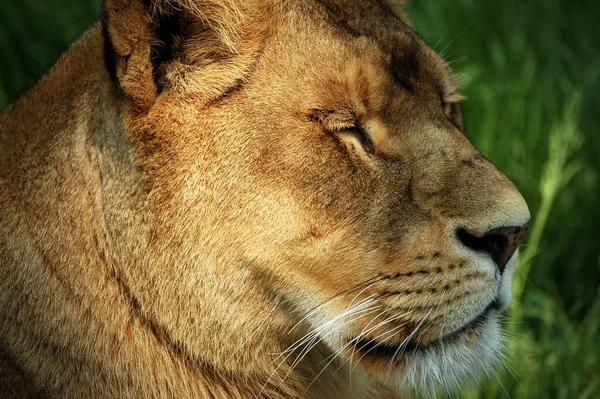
(156, 45)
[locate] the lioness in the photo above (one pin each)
(248, 199)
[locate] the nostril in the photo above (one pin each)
(468, 239)
(501, 243)
(493, 244)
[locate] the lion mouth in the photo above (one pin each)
(374, 349)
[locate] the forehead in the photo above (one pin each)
(408, 58)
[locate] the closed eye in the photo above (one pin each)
(359, 132)
(344, 125)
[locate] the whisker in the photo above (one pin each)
(501, 384)
(440, 39)
(311, 336)
(326, 324)
(365, 311)
(408, 338)
(355, 340)
(450, 43)
(350, 290)
(390, 334)
(317, 339)
(328, 363)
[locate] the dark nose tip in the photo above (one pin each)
(501, 243)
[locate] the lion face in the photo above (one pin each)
(336, 172)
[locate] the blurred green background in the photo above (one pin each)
(531, 72)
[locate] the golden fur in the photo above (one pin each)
(198, 184)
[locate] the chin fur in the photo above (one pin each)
(446, 366)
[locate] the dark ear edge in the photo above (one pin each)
(110, 61)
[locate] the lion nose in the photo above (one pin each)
(501, 243)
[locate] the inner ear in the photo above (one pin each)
(202, 46)
(169, 33)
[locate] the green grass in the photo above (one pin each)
(530, 70)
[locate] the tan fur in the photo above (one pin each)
(168, 230)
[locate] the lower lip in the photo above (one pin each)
(372, 348)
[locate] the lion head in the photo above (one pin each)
(287, 190)
(310, 185)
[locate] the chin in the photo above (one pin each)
(442, 365)
(446, 365)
